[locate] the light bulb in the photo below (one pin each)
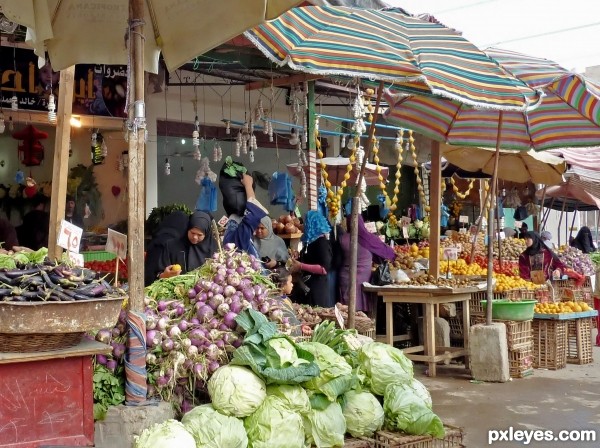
(51, 109)
(183, 141)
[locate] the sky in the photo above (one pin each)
(565, 31)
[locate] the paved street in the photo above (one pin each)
(565, 399)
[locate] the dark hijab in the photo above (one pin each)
(538, 245)
(198, 253)
(173, 227)
(583, 241)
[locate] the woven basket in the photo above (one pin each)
(40, 326)
(38, 342)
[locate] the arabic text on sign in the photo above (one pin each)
(69, 236)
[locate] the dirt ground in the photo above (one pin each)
(564, 399)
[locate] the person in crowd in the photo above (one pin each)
(314, 262)
(189, 252)
(537, 262)
(283, 279)
(271, 248)
(71, 214)
(547, 239)
(239, 230)
(370, 248)
(509, 232)
(523, 230)
(173, 227)
(33, 232)
(8, 235)
(584, 241)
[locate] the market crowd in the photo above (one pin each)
(319, 271)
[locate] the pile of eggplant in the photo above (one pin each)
(51, 281)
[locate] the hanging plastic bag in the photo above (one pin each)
(207, 200)
(281, 192)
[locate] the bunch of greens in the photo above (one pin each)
(109, 389)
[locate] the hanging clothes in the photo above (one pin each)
(207, 200)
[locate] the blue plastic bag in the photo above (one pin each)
(207, 200)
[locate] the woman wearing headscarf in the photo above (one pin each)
(584, 241)
(173, 226)
(271, 248)
(314, 262)
(189, 252)
(370, 247)
(537, 263)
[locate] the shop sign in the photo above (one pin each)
(98, 89)
(69, 236)
(116, 243)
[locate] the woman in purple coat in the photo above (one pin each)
(369, 247)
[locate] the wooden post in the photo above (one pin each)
(136, 179)
(354, 217)
(539, 226)
(435, 201)
(562, 212)
(60, 166)
(490, 263)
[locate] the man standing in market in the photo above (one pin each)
(71, 214)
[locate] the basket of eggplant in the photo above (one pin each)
(48, 305)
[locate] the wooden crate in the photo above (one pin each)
(549, 344)
(579, 340)
(520, 361)
(519, 334)
(475, 306)
(390, 439)
(351, 442)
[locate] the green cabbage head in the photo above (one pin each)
(274, 425)
(326, 428)
(363, 413)
(381, 364)
(167, 434)
(211, 429)
(236, 390)
(294, 397)
(408, 412)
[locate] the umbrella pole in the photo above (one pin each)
(572, 223)
(490, 229)
(487, 195)
(562, 212)
(539, 228)
(354, 217)
(135, 357)
(498, 232)
(548, 212)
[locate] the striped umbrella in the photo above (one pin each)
(568, 116)
(418, 56)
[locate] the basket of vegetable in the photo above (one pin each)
(49, 306)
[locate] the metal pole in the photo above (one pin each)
(490, 267)
(354, 217)
(562, 211)
(498, 230)
(548, 213)
(539, 226)
(572, 223)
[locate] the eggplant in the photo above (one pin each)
(92, 290)
(48, 279)
(5, 292)
(16, 273)
(61, 296)
(7, 280)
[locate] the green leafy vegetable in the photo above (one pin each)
(294, 398)
(408, 412)
(335, 375)
(7, 262)
(276, 359)
(37, 256)
(325, 428)
(363, 413)
(109, 389)
(274, 425)
(211, 429)
(381, 364)
(168, 434)
(233, 169)
(236, 390)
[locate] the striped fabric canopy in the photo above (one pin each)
(568, 116)
(416, 55)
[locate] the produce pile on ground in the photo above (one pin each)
(279, 393)
(575, 259)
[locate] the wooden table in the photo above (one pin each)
(46, 397)
(430, 298)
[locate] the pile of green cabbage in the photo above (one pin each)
(245, 412)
